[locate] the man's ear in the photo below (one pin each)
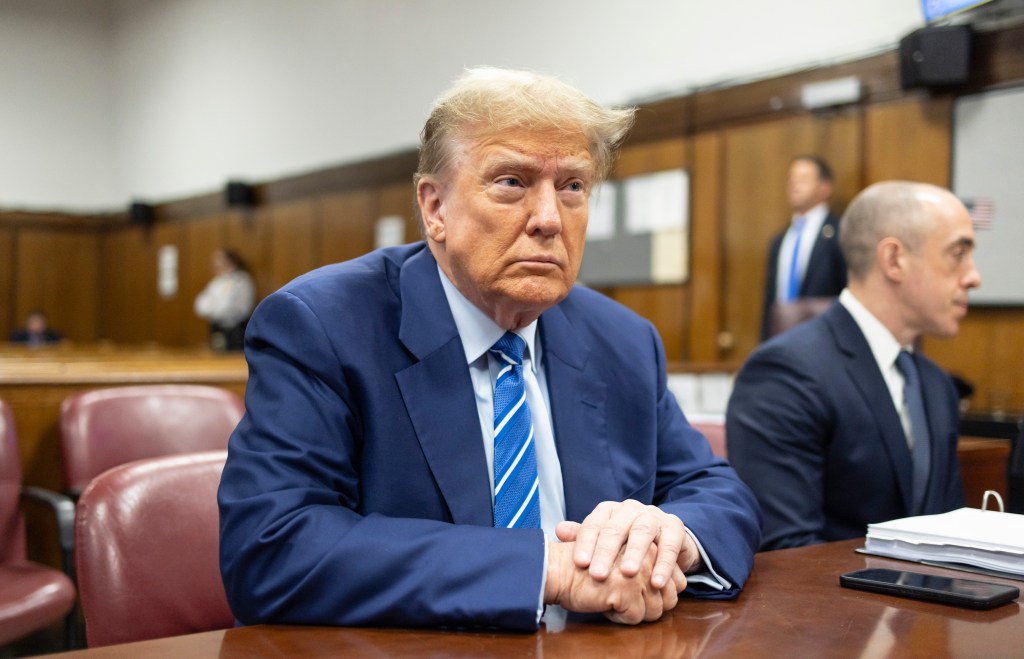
(430, 198)
(891, 256)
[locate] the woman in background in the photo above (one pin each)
(227, 301)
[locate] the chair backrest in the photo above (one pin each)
(103, 428)
(714, 431)
(146, 539)
(12, 522)
(786, 315)
(1015, 474)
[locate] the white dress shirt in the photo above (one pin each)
(478, 333)
(813, 221)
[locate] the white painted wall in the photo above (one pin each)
(56, 106)
(174, 97)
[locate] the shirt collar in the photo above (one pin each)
(815, 215)
(478, 332)
(883, 344)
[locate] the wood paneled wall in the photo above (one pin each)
(736, 143)
(55, 269)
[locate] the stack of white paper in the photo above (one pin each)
(968, 536)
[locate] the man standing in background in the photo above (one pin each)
(805, 260)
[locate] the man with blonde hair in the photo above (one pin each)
(450, 433)
(841, 422)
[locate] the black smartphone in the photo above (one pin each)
(947, 590)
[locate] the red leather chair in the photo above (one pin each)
(104, 428)
(146, 543)
(715, 433)
(787, 315)
(32, 596)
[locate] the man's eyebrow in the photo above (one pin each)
(575, 166)
(963, 241)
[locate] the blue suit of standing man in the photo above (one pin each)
(818, 424)
(358, 487)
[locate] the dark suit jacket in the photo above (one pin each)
(812, 429)
(356, 488)
(23, 336)
(826, 269)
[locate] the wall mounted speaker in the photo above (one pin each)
(237, 193)
(937, 56)
(142, 213)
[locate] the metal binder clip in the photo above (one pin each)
(995, 495)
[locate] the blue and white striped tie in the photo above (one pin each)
(516, 499)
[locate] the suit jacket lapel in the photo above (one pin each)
(827, 233)
(863, 370)
(934, 395)
(578, 414)
(438, 394)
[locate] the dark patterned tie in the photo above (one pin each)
(516, 495)
(921, 452)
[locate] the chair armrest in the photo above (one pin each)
(64, 512)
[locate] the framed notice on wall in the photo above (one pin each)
(988, 175)
(638, 232)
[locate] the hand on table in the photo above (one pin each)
(627, 599)
(625, 532)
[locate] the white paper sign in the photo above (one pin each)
(167, 271)
(656, 202)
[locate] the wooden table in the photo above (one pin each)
(793, 606)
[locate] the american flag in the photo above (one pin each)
(981, 212)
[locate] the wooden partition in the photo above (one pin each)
(57, 270)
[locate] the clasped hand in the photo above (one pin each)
(626, 560)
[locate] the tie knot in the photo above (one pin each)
(510, 348)
(798, 222)
(906, 366)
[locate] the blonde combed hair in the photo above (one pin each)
(493, 100)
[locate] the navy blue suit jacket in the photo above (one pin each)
(356, 489)
(826, 269)
(812, 428)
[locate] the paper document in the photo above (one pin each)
(980, 538)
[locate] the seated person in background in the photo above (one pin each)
(804, 261)
(391, 396)
(36, 331)
(838, 423)
(227, 300)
